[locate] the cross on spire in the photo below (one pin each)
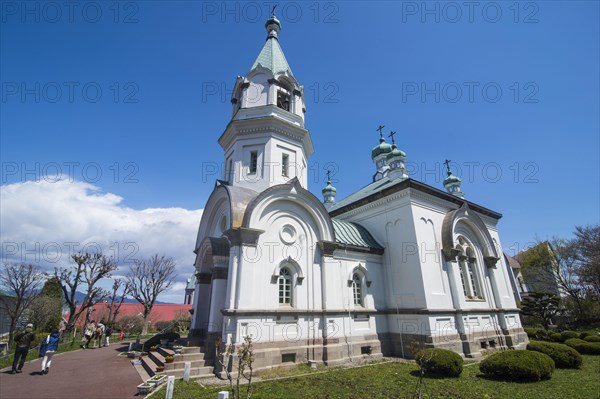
(380, 128)
(328, 176)
(447, 163)
(273, 10)
(392, 137)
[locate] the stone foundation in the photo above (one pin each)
(467, 345)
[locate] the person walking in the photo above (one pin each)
(107, 334)
(100, 327)
(22, 342)
(48, 348)
(89, 333)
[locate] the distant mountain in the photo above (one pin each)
(80, 296)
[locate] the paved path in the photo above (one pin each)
(91, 373)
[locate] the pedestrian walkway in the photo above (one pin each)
(92, 373)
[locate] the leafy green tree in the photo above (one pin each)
(542, 306)
(46, 309)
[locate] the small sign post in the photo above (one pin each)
(186, 371)
(170, 385)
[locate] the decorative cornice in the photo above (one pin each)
(219, 273)
(203, 278)
(363, 311)
(410, 183)
(243, 236)
(464, 212)
(327, 247)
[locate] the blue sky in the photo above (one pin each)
(131, 97)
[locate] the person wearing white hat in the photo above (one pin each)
(23, 341)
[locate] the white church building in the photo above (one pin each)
(326, 280)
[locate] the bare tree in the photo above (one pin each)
(116, 299)
(587, 243)
(21, 282)
(148, 279)
(88, 270)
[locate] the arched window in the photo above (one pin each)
(357, 290)
(469, 275)
(285, 286)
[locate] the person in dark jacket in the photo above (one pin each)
(48, 348)
(23, 341)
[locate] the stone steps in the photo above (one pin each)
(200, 367)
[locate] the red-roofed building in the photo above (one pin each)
(159, 312)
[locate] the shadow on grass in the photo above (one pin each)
(417, 373)
(504, 379)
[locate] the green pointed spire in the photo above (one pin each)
(271, 56)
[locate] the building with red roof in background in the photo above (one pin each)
(160, 312)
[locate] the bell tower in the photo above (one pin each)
(266, 143)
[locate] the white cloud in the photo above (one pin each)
(45, 222)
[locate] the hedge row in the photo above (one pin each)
(564, 356)
(555, 336)
(584, 347)
(516, 365)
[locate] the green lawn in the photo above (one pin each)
(398, 380)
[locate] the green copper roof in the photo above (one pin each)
(328, 189)
(272, 58)
(349, 233)
(451, 179)
(371, 188)
(396, 153)
(191, 283)
(382, 148)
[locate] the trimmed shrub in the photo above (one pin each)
(530, 332)
(584, 334)
(592, 338)
(556, 337)
(584, 347)
(155, 340)
(518, 365)
(440, 362)
(569, 334)
(564, 356)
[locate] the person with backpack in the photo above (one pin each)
(22, 343)
(107, 334)
(48, 348)
(89, 334)
(99, 333)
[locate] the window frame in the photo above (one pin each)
(253, 164)
(285, 280)
(285, 165)
(357, 290)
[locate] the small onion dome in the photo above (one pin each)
(451, 180)
(329, 189)
(273, 24)
(382, 148)
(396, 153)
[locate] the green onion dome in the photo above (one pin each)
(382, 148)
